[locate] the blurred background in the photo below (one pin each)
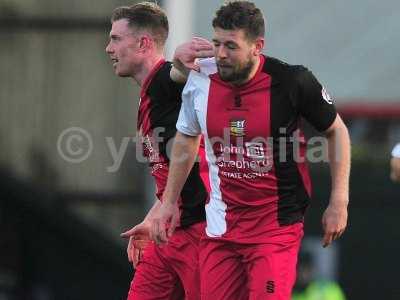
(65, 118)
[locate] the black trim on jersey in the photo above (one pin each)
(165, 103)
(293, 197)
(166, 98)
(194, 195)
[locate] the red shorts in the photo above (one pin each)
(170, 272)
(230, 270)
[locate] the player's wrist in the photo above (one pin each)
(147, 220)
(339, 201)
(168, 203)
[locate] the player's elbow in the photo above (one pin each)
(338, 128)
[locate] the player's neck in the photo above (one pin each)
(147, 66)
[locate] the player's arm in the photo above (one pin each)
(185, 58)
(183, 154)
(334, 220)
(184, 151)
(317, 107)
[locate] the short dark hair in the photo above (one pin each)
(145, 15)
(240, 15)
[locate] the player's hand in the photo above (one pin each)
(334, 221)
(168, 213)
(139, 237)
(136, 250)
(186, 54)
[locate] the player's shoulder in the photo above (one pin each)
(200, 79)
(163, 72)
(282, 71)
(162, 79)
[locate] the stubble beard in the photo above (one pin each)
(238, 74)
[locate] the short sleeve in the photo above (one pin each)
(396, 151)
(187, 121)
(315, 104)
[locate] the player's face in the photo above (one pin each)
(124, 49)
(235, 54)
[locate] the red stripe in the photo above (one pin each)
(303, 166)
(251, 199)
(144, 122)
(204, 170)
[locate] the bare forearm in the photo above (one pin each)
(179, 73)
(183, 155)
(339, 160)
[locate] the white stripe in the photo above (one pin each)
(216, 208)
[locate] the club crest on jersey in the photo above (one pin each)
(237, 127)
(326, 96)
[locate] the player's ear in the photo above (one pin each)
(145, 42)
(259, 46)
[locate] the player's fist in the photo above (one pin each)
(186, 54)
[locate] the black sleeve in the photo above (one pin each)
(175, 89)
(166, 100)
(314, 103)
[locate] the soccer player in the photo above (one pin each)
(249, 107)
(136, 46)
(395, 164)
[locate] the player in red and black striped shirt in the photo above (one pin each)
(249, 108)
(136, 47)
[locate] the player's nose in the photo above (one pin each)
(221, 52)
(109, 48)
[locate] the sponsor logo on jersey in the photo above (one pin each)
(326, 96)
(255, 150)
(244, 162)
(237, 127)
